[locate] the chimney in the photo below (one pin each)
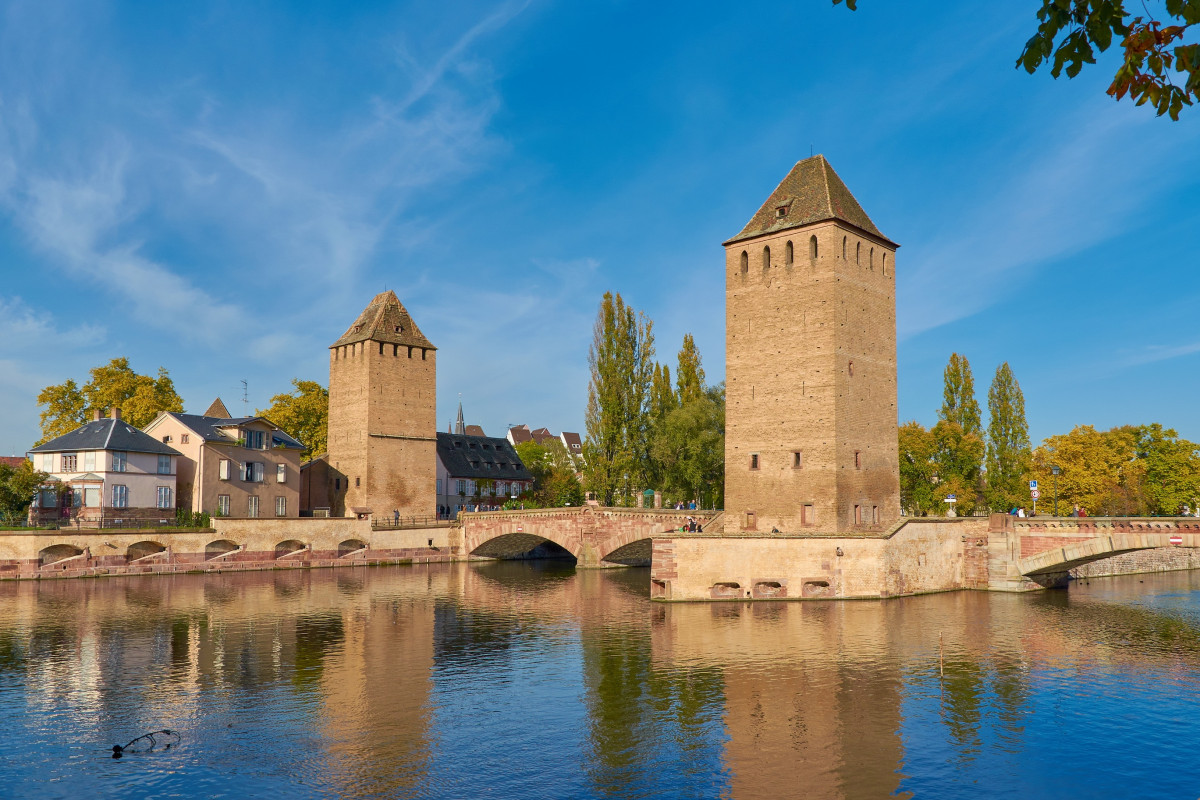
(95, 415)
(114, 412)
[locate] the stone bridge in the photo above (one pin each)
(595, 536)
(1040, 552)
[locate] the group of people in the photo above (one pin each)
(692, 526)
(1019, 511)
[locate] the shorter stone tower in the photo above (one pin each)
(383, 415)
(810, 339)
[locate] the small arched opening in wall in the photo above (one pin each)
(812, 247)
(766, 258)
(745, 263)
(885, 265)
(56, 553)
(788, 253)
(289, 547)
(635, 554)
(139, 550)
(522, 547)
(219, 548)
(350, 547)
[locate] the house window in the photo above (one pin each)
(858, 459)
(91, 497)
(120, 496)
(223, 469)
(754, 461)
(118, 462)
(69, 460)
(808, 515)
(281, 473)
(47, 460)
(167, 439)
(439, 486)
(183, 438)
(223, 505)
(255, 440)
(164, 465)
(252, 471)
(252, 506)
(501, 488)
(797, 460)
(89, 461)
(281, 506)
(163, 499)
(461, 487)
(471, 488)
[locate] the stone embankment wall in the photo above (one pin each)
(230, 545)
(912, 557)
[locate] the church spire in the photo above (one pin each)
(459, 426)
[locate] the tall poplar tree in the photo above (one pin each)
(662, 394)
(958, 396)
(959, 436)
(621, 361)
(1008, 450)
(689, 376)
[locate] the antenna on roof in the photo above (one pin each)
(246, 397)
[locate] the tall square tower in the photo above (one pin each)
(811, 430)
(383, 415)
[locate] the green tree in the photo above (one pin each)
(1100, 472)
(958, 396)
(1071, 31)
(140, 397)
(958, 456)
(304, 414)
(554, 480)
(690, 449)
(621, 362)
(662, 394)
(17, 488)
(689, 376)
(918, 470)
(1172, 469)
(1008, 449)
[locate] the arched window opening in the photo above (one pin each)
(787, 253)
(745, 261)
(766, 258)
(812, 247)
(871, 259)
(885, 265)
(843, 248)
(858, 253)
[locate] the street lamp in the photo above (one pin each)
(1055, 470)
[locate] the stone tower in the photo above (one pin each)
(811, 435)
(383, 415)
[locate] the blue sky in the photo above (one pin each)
(219, 189)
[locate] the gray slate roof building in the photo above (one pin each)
(210, 429)
(812, 192)
(480, 458)
(106, 434)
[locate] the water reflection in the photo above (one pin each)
(535, 680)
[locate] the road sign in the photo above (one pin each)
(1032, 485)
(953, 498)
(1176, 540)
(1035, 494)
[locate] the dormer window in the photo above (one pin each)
(357, 328)
(399, 329)
(781, 212)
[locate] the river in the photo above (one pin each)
(534, 680)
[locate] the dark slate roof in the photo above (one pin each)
(106, 434)
(465, 456)
(209, 429)
(812, 192)
(385, 320)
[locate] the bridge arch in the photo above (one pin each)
(143, 549)
(57, 552)
(521, 544)
(1063, 559)
(630, 550)
(351, 546)
(289, 547)
(218, 548)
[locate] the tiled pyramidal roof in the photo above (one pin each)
(385, 320)
(811, 192)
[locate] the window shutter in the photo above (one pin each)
(243, 469)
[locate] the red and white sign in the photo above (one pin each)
(1176, 540)
(520, 528)
(1035, 494)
